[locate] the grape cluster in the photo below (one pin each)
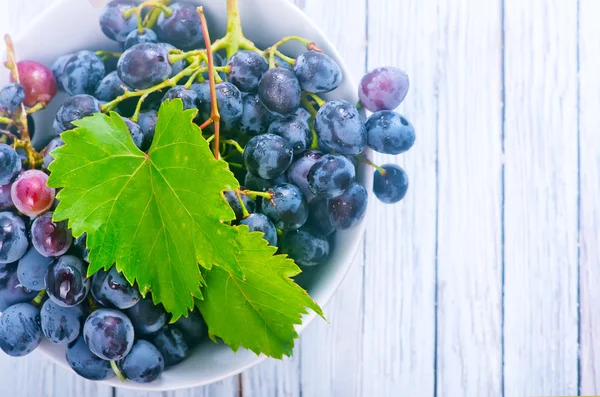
(295, 155)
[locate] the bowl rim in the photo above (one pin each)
(337, 278)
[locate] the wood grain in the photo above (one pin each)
(541, 183)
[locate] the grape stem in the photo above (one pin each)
(8, 134)
(6, 120)
(253, 194)
(313, 114)
(138, 108)
(315, 98)
(104, 55)
(158, 6)
(235, 145)
(152, 16)
(117, 371)
(245, 213)
(36, 108)
(271, 51)
(372, 164)
(37, 301)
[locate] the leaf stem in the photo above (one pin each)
(117, 371)
(372, 164)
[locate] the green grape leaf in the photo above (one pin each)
(258, 310)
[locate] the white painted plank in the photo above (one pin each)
(589, 120)
(469, 353)
(541, 269)
(226, 388)
(399, 311)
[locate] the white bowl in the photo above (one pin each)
(71, 25)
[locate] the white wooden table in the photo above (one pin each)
(483, 282)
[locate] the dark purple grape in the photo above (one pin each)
(13, 238)
(5, 199)
(188, 96)
(383, 89)
(48, 159)
(261, 223)
(111, 87)
(109, 334)
(10, 164)
(331, 175)
(318, 221)
(317, 72)
(87, 364)
(147, 120)
(20, 331)
(341, 128)
(297, 174)
(279, 90)
(388, 132)
(32, 270)
(296, 131)
(182, 28)
(12, 96)
(58, 68)
(287, 208)
(83, 73)
(234, 203)
(137, 135)
(134, 37)
(259, 184)
(246, 70)
(111, 289)
(144, 65)
(147, 318)
(255, 119)
(50, 238)
(267, 156)
(229, 101)
(79, 247)
(391, 187)
(347, 210)
(11, 290)
(75, 108)
(193, 327)
(305, 248)
(171, 344)
(60, 324)
(66, 283)
(144, 364)
(114, 25)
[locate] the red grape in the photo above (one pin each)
(30, 194)
(38, 81)
(383, 89)
(50, 238)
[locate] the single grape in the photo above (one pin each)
(144, 65)
(75, 108)
(193, 327)
(144, 364)
(340, 128)
(13, 238)
(296, 131)
(229, 101)
(246, 70)
(147, 120)
(109, 334)
(11, 290)
(66, 283)
(318, 221)
(137, 135)
(50, 238)
(388, 132)
(83, 73)
(279, 90)
(10, 164)
(331, 175)
(171, 344)
(182, 28)
(110, 87)
(391, 187)
(60, 324)
(12, 96)
(147, 318)
(305, 248)
(188, 96)
(267, 156)
(114, 25)
(134, 37)
(255, 118)
(31, 194)
(261, 223)
(87, 364)
(38, 81)
(5, 199)
(178, 66)
(287, 208)
(317, 72)
(32, 270)
(20, 331)
(58, 68)
(111, 289)
(259, 184)
(383, 89)
(48, 159)
(297, 174)
(234, 203)
(347, 210)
